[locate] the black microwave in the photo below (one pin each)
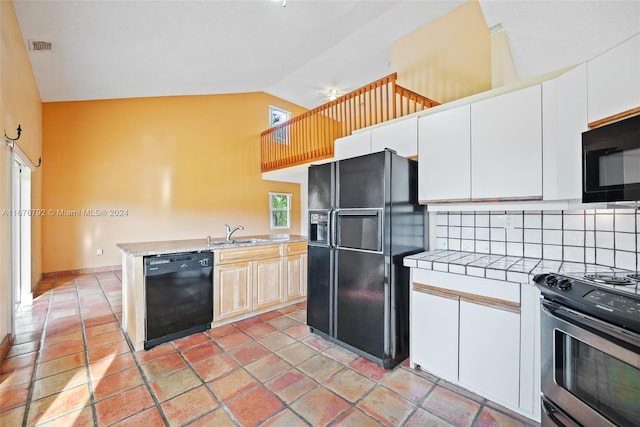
(611, 162)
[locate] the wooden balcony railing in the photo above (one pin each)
(310, 136)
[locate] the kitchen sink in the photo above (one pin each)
(222, 242)
(250, 240)
(278, 237)
(237, 242)
(218, 242)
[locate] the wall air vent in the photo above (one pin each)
(40, 45)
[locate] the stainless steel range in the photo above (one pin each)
(590, 346)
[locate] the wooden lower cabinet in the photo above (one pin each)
(295, 276)
(252, 279)
(232, 290)
(267, 283)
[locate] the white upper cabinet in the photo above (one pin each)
(506, 146)
(444, 167)
(401, 136)
(354, 145)
(614, 80)
(564, 118)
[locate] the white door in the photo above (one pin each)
(21, 233)
(16, 233)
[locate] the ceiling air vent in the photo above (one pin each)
(40, 45)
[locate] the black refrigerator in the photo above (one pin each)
(364, 217)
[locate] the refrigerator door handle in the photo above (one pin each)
(333, 239)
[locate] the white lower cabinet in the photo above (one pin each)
(530, 350)
(436, 348)
(479, 333)
(489, 352)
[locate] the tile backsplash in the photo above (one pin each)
(606, 237)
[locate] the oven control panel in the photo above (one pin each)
(609, 302)
(613, 304)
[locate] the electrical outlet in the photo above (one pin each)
(99, 252)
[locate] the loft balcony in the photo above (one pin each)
(310, 136)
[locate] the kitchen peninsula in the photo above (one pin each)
(251, 275)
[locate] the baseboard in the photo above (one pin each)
(217, 323)
(5, 345)
(81, 271)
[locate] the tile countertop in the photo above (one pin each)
(499, 267)
(192, 245)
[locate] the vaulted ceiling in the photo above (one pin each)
(121, 49)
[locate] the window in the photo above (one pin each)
(276, 117)
(280, 210)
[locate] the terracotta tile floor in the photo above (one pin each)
(70, 365)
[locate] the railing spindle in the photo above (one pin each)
(310, 136)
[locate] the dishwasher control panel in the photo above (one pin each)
(169, 263)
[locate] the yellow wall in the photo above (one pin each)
(181, 167)
(19, 104)
(448, 58)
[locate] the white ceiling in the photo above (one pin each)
(123, 49)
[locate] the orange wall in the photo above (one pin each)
(448, 58)
(19, 104)
(181, 167)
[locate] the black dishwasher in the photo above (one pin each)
(178, 294)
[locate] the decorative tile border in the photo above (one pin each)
(607, 237)
(499, 267)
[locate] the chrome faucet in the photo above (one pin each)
(209, 241)
(230, 231)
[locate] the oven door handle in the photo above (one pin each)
(558, 417)
(582, 320)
